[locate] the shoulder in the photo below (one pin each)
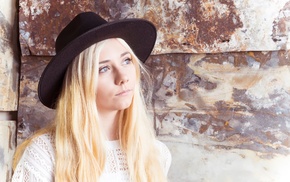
(37, 160)
(42, 147)
(162, 147)
(165, 155)
(43, 143)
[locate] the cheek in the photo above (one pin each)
(102, 97)
(134, 75)
(102, 89)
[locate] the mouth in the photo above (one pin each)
(124, 93)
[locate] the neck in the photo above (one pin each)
(109, 124)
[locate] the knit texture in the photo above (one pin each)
(38, 161)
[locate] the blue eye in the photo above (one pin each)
(128, 61)
(104, 69)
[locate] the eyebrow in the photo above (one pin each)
(123, 54)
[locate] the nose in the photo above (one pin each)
(121, 77)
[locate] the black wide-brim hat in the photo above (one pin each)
(83, 31)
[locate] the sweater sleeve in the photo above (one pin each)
(37, 161)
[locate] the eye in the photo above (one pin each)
(104, 69)
(127, 61)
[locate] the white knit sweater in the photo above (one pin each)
(38, 159)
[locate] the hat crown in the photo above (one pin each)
(82, 23)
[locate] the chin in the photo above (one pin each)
(123, 106)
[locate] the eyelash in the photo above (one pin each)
(128, 59)
(101, 70)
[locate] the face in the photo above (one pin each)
(117, 77)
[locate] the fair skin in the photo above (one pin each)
(115, 88)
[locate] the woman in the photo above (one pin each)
(101, 131)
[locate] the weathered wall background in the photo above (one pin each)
(9, 63)
(221, 80)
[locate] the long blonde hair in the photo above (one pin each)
(80, 152)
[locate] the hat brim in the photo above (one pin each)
(139, 34)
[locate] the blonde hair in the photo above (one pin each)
(80, 152)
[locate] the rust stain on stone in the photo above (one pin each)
(32, 115)
(49, 18)
(203, 128)
(183, 26)
(215, 22)
(242, 120)
(281, 26)
(114, 10)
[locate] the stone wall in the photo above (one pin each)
(9, 63)
(221, 80)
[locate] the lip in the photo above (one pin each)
(124, 92)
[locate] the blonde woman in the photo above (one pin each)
(101, 131)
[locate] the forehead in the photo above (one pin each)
(112, 47)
